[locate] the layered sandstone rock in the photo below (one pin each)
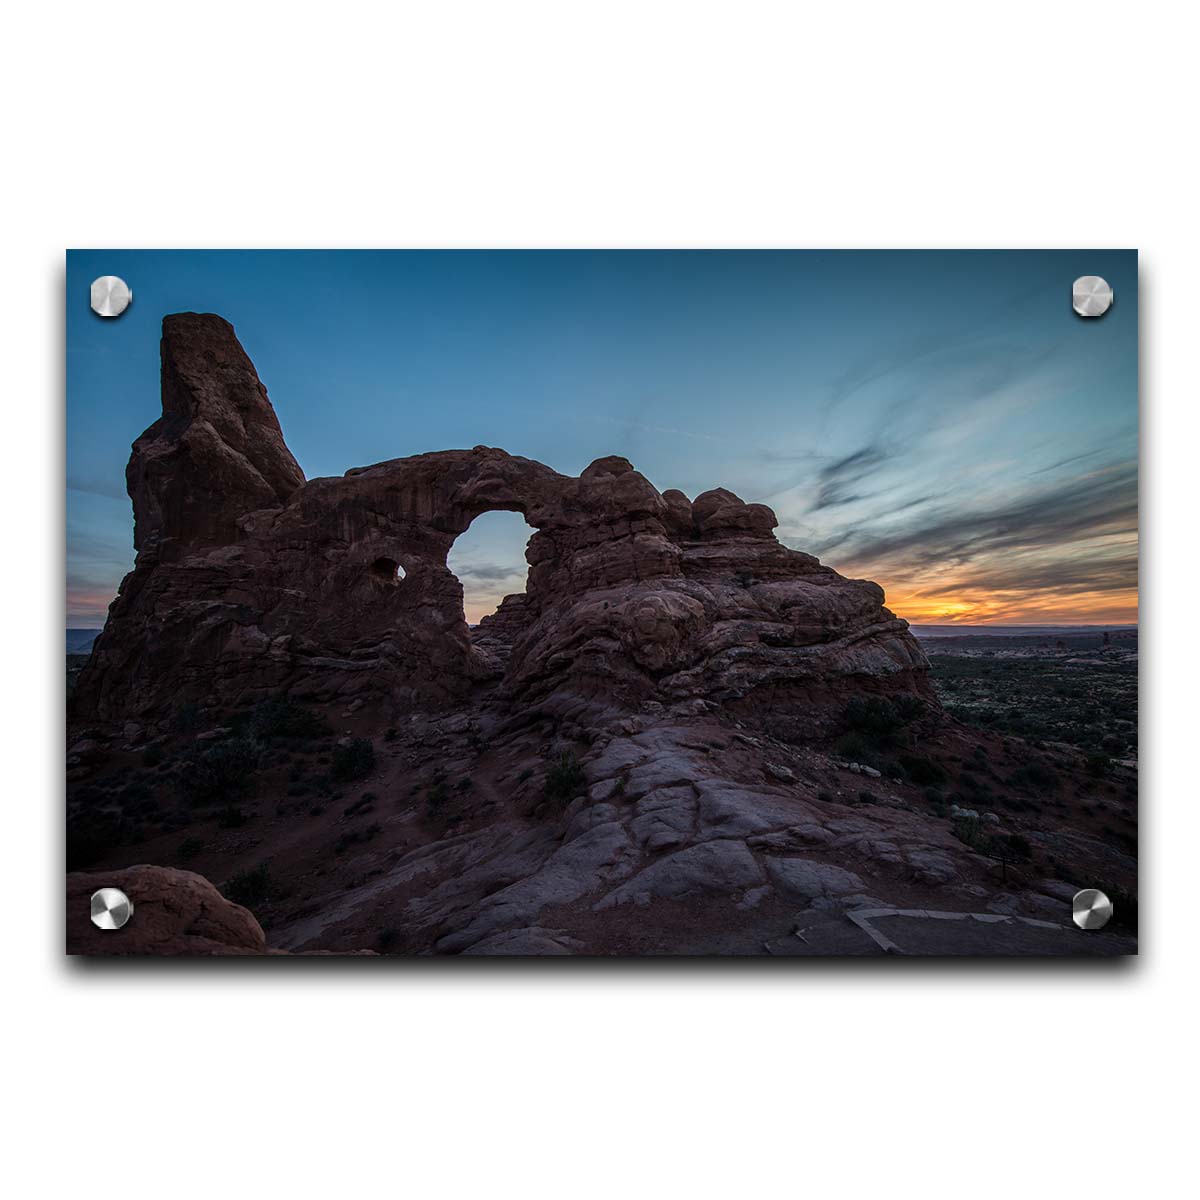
(251, 581)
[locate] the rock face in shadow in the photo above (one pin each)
(251, 581)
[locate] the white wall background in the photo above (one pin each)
(615, 124)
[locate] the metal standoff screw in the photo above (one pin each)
(111, 908)
(110, 296)
(1091, 909)
(1091, 296)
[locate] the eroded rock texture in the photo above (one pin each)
(251, 581)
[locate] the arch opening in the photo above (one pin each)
(488, 559)
(388, 570)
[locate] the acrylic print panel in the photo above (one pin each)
(617, 603)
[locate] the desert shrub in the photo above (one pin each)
(388, 938)
(866, 797)
(391, 734)
(525, 775)
(1016, 846)
(249, 887)
(825, 797)
(971, 832)
(922, 770)
(875, 717)
(855, 748)
(565, 779)
(1098, 764)
(908, 708)
(280, 717)
(222, 770)
(354, 760)
(153, 756)
(189, 848)
(232, 816)
(1035, 776)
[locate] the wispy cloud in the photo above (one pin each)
(490, 572)
(839, 481)
(1101, 503)
(1066, 546)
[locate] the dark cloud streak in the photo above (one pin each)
(1080, 533)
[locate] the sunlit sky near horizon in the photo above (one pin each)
(940, 422)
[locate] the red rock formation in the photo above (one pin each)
(250, 580)
(175, 912)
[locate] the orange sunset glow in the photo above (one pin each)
(924, 606)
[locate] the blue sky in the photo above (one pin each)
(941, 422)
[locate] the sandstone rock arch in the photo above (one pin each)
(250, 580)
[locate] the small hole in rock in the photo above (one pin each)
(387, 569)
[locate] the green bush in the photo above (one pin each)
(564, 780)
(970, 831)
(249, 887)
(875, 717)
(355, 760)
(923, 771)
(223, 770)
(1036, 777)
(856, 748)
(1017, 846)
